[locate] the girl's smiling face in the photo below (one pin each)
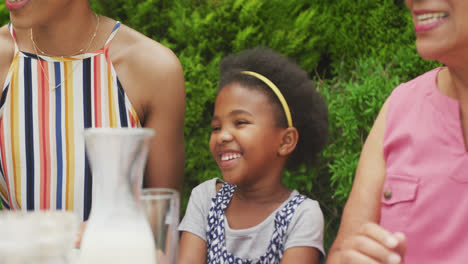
(245, 137)
(441, 29)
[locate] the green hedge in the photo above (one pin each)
(357, 51)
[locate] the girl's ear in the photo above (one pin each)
(288, 141)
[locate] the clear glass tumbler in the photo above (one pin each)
(162, 207)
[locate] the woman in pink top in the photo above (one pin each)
(409, 203)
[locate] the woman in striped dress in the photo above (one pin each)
(64, 68)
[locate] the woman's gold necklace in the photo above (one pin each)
(36, 49)
(73, 54)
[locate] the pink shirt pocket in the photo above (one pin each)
(398, 196)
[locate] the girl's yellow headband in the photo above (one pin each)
(276, 91)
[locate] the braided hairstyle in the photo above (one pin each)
(308, 109)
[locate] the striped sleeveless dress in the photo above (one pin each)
(46, 104)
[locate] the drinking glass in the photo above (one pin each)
(162, 206)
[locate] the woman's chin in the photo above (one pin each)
(445, 51)
(20, 22)
(430, 51)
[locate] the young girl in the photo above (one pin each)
(267, 116)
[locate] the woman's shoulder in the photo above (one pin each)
(411, 93)
(7, 51)
(5, 33)
(130, 43)
(423, 83)
(6, 42)
(150, 72)
(144, 57)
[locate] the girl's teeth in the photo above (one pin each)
(230, 157)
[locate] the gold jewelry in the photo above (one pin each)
(36, 48)
(73, 54)
(46, 75)
(47, 78)
(276, 91)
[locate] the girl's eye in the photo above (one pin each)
(215, 128)
(241, 122)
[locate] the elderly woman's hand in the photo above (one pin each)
(373, 244)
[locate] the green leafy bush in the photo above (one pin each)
(4, 15)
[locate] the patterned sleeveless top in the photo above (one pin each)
(216, 239)
(46, 104)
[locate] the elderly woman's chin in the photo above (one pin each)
(443, 50)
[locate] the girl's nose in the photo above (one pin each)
(224, 136)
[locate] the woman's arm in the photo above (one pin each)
(166, 158)
(298, 255)
(192, 249)
(152, 77)
(360, 239)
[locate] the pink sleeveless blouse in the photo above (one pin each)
(425, 194)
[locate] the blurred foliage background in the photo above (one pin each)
(357, 51)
